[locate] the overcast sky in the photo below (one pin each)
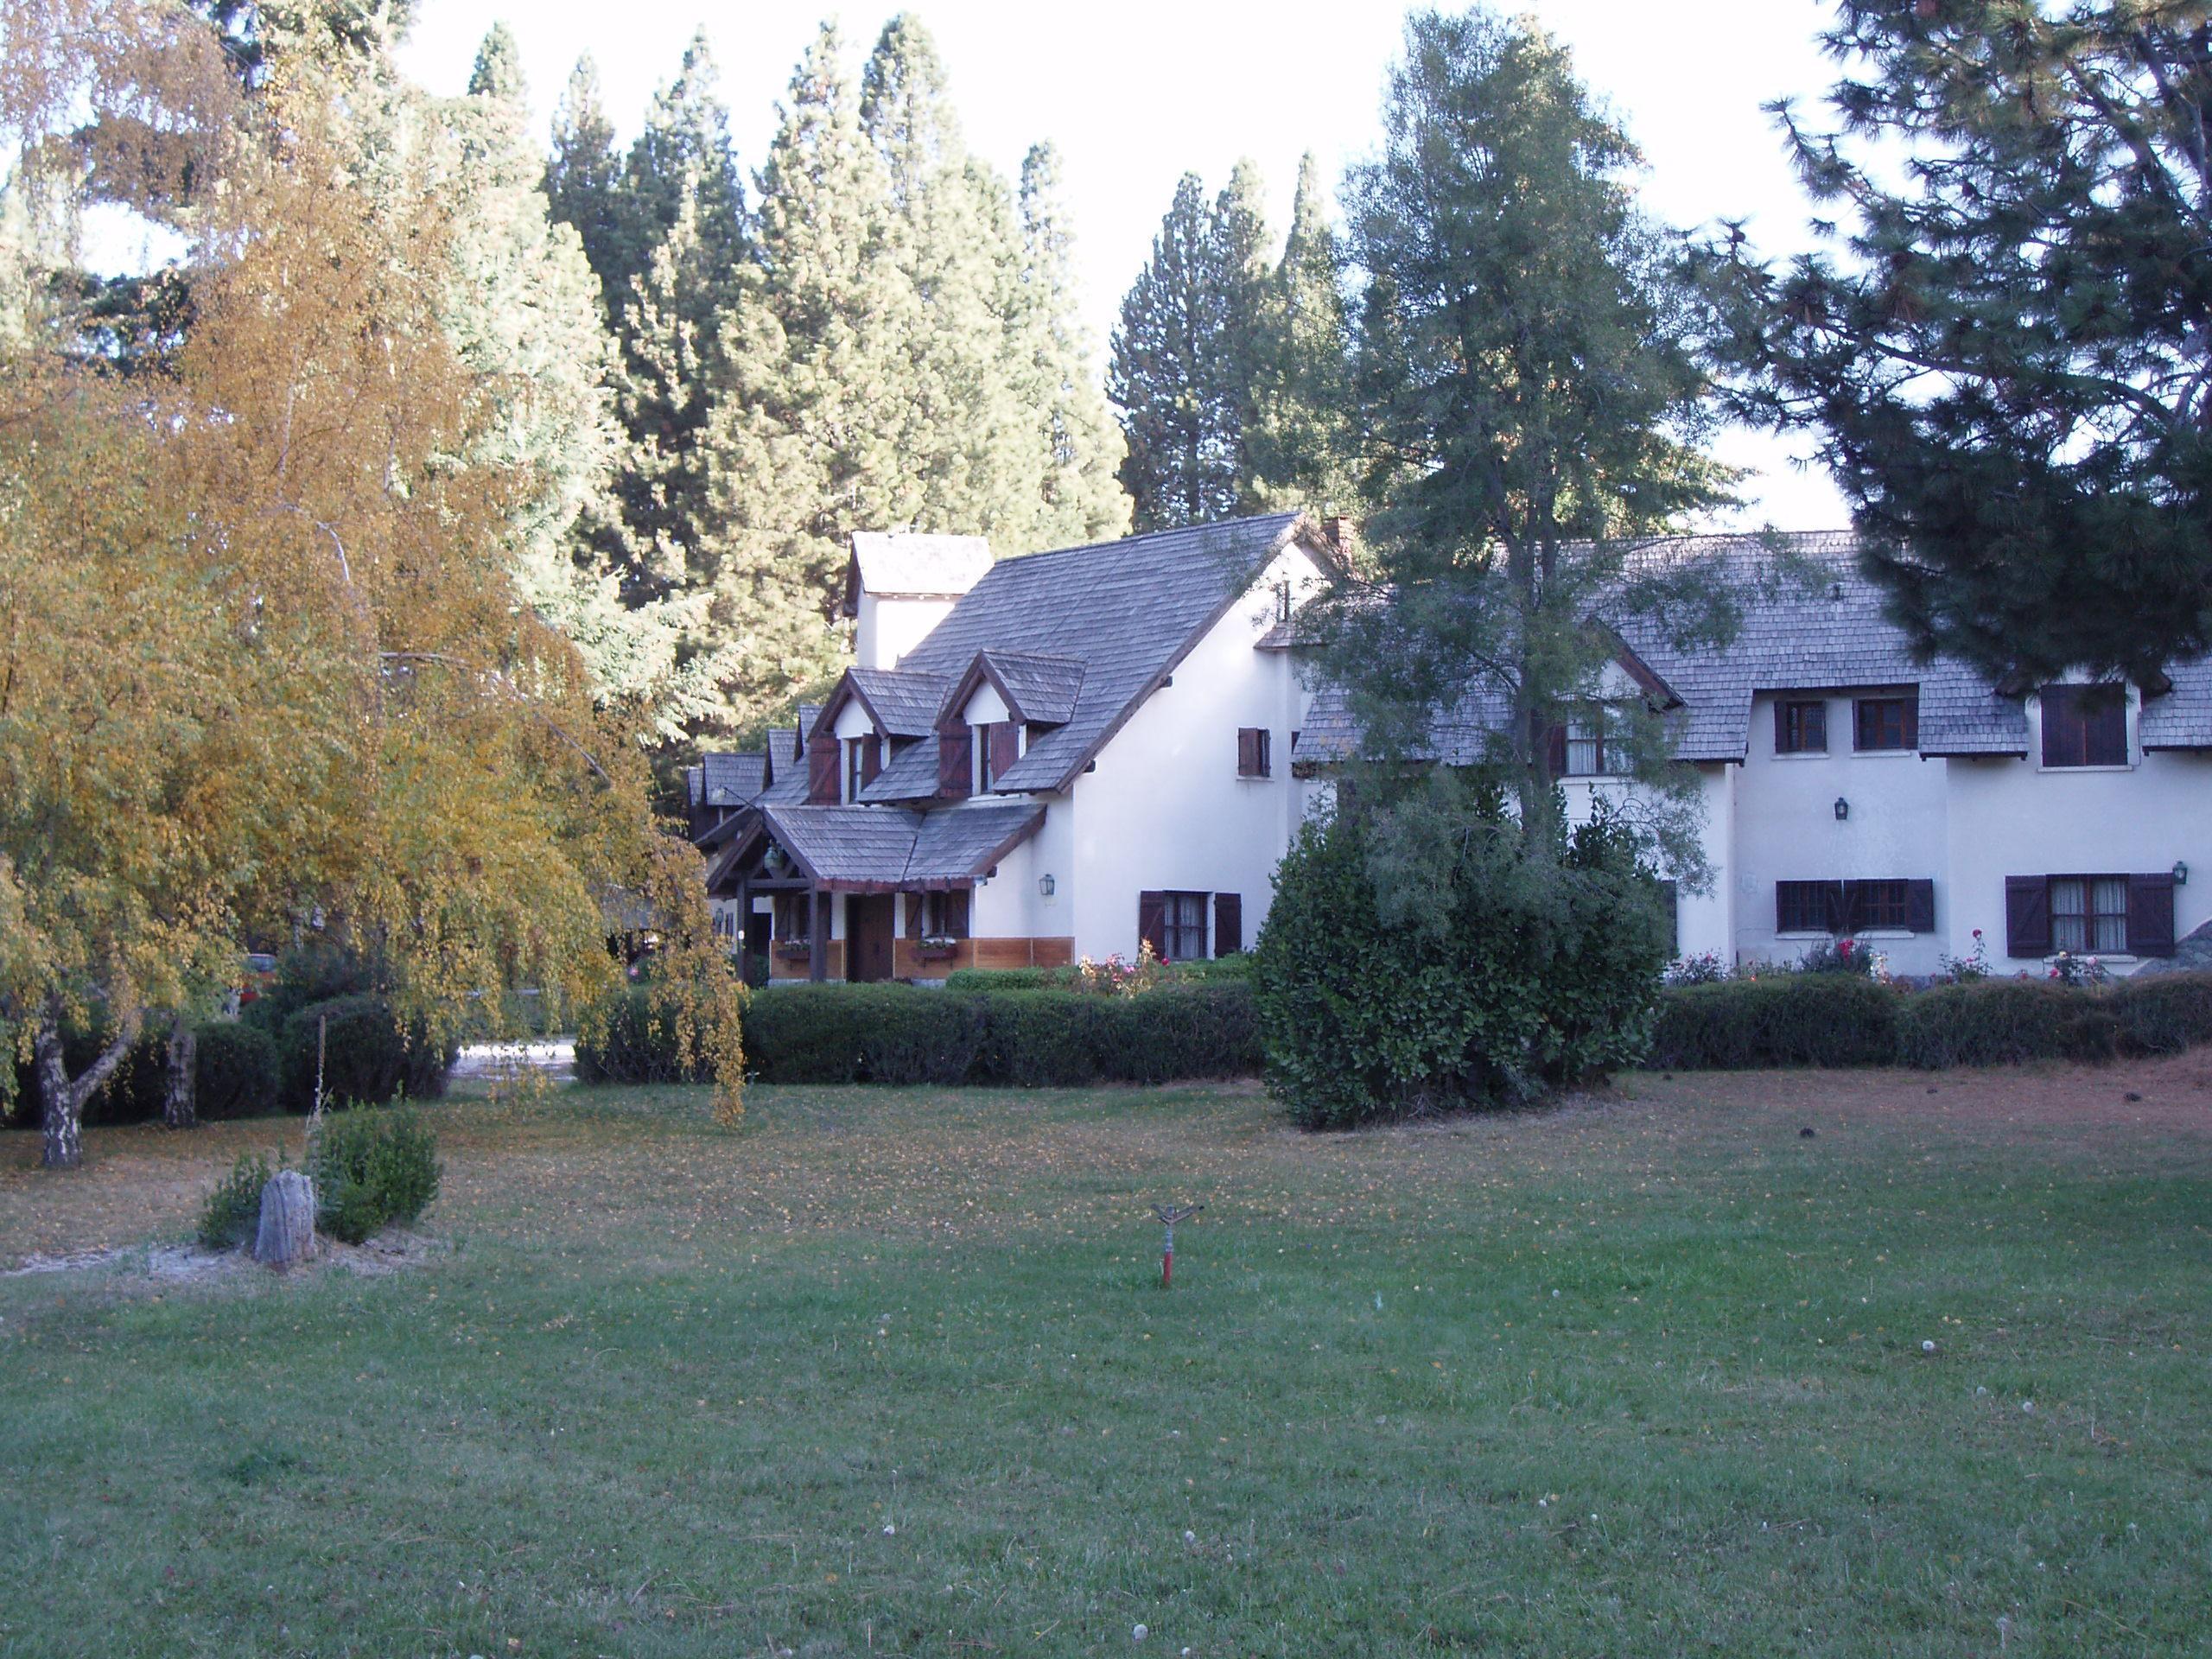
(1137, 92)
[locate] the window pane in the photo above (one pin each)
(2108, 900)
(2070, 899)
(1581, 748)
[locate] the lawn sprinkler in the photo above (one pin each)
(1169, 1214)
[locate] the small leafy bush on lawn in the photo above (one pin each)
(231, 1212)
(373, 1167)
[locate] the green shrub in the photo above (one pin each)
(1994, 1022)
(863, 1034)
(232, 1213)
(367, 1056)
(1502, 978)
(315, 971)
(1046, 1039)
(235, 1071)
(371, 1167)
(1178, 1031)
(2163, 1014)
(1778, 1019)
(624, 1038)
(1008, 979)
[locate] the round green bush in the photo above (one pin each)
(367, 1057)
(371, 1167)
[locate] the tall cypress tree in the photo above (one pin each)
(1299, 438)
(583, 181)
(1164, 373)
(1245, 277)
(1080, 499)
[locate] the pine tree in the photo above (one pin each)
(1532, 399)
(1080, 498)
(2008, 352)
(583, 182)
(1164, 375)
(1245, 279)
(498, 70)
(684, 150)
(808, 396)
(1299, 440)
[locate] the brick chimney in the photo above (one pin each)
(1342, 535)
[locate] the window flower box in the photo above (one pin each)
(937, 949)
(794, 950)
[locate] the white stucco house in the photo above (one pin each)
(1850, 790)
(1029, 760)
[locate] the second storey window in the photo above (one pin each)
(1801, 726)
(1252, 757)
(1592, 744)
(2084, 726)
(861, 765)
(1889, 721)
(998, 746)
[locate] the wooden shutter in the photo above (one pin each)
(1555, 751)
(1248, 751)
(1005, 750)
(1670, 907)
(2027, 915)
(1151, 921)
(1920, 907)
(822, 771)
(1843, 908)
(916, 902)
(1265, 739)
(1781, 743)
(871, 758)
(1227, 924)
(2151, 915)
(955, 759)
(956, 913)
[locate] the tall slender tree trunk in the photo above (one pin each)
(180, 1105)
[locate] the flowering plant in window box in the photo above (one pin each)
(2070, 970)
(936, 947)
(794, 950)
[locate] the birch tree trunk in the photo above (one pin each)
(64, 1097)
(180, 1105)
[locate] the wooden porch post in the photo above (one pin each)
(817, 935)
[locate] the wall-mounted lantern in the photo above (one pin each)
(1045, 886)
(2181, 873)
(1842, 809)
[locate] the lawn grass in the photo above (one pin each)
(888, 1372)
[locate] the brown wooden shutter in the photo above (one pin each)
(1005, 751)
(1912, 719)
(2027, 915)
(1555, 751)
(1151, 921)
(2151, 915)
(1248, 751)
(1670, 907)
(1227, 924)
(1782, 745)
(955, 762)
(871, 758)
(822, 771)
(956, 913)
(916, 902)
(1843, 908)
(1920, 907)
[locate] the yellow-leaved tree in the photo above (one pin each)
(262, 654)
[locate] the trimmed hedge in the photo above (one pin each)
(1837, 1020)
(367, 1057)
(905, 1034)
(235, 1074)
(1826, 1020)
(1203, 970)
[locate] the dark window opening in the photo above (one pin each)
(1801, 727)
(2084, 726)
(1844, 908)
(1889, 722)
(1803, 907)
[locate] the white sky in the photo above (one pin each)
(1135, 92)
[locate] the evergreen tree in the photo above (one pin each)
(583, 181)
(810, 396)
(1164, 375)
(1532, 401)
(684, 150)
(1241, 270)
(2010, 363)
(1080, 498)
(1299, 440)
(498, 70)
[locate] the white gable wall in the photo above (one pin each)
(886, 627)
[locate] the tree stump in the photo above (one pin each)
(286, 1233)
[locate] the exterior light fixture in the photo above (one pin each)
(1045, 886)
(1842, 809)
(2181, 873)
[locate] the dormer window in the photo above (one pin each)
(1890, 721)
(998, 746)
(2084, 726)
(1801, 726)
(862, 759)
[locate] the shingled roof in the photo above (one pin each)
(1126, 612)
(902, 703)
(881, 848)
(1813, 621)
